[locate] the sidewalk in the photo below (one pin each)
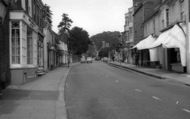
(157, 73)
(42, 98)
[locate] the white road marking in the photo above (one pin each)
(138, 90)
(186, 110)
(156, 98)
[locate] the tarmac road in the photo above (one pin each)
(99, 91)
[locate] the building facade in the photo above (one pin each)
(52, 51)
(26, 39)
(49, 48)
(128, 35)
(143, 9)
(166, 15)
(63, 56)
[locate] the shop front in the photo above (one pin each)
(144, 55)
(173, 41)
(23, 39)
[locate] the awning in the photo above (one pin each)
(145, 44)
(173, 38)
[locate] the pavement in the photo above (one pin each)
(183, 78)
(42, 98)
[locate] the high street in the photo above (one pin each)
(99, 91)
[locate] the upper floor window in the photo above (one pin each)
(167, 17)
(127, 21)
(24, 4)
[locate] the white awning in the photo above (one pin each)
(146, 44)
(173, 38)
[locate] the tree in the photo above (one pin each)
(91, 51)
(79, 40)
(48, 13)
(113, 38)
(65, 23)
(104, 52)
(109, 37)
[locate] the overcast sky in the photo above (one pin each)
(95, 16)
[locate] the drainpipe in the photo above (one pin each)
(187, 36)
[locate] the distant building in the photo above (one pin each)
(62, 48)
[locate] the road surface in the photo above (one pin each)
(99, 91)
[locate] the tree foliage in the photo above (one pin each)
(65, 23)
(48, 13)
(91, 50)
(110, 37)
(78, 41)
(104, 52)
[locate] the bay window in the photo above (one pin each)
(15, 41)
(23, 44)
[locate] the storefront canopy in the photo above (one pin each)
(173, 38)
(146, 43)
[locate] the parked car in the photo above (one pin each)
(89, 60)
(83, 60)
(105, 59)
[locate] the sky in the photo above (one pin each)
(94, 16)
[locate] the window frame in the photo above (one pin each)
(15, 43)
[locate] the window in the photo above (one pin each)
(154, 26)
(130, 33)
(167, 17)
(23, 4)
(24, 43)
(29, 47)
(127, 21)
(40, 52)
(15, 32)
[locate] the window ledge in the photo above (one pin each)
(17, 66)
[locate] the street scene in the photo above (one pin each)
(94, 59)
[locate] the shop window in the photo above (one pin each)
(177, 55)
(29, 47)
(15, 41)
(24, 43)
(174, 55)
(167, 17)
